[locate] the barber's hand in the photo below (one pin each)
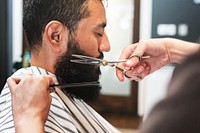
(31, 102)
(155, 48)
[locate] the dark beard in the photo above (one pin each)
(69, 72)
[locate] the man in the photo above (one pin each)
(55, 30)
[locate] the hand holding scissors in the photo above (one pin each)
(81, 59)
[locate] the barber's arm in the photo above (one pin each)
(162, 51)
(31, 101)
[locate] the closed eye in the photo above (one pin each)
(99, 34)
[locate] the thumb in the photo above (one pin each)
(138, 52)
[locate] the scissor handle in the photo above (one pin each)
(141, 58)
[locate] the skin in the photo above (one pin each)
(28, 106)
(161, 51)
(91, 34)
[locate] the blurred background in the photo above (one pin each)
(125, 104)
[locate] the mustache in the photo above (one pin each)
(101, 55)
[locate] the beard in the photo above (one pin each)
(69, 72)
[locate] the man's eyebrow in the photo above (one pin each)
(102, 25)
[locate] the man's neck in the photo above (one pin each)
(42, 61)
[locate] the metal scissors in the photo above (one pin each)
(82, 59)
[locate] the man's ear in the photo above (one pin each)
(55, 34)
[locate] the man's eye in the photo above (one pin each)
(99, 34)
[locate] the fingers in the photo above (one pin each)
(141, 48)
(137, 49)
(28, 80)
(12, 83)
(43, 80)
(139, 72)
(126, 53)
(50, 82)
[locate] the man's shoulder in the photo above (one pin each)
(21, 72)
(35, 70)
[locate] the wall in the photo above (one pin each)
(120, 14)
(17, 30)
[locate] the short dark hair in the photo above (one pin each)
(38, 13)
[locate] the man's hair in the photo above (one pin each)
(38, 13)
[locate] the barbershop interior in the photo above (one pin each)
(123, 104)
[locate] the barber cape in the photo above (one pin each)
(66, 115)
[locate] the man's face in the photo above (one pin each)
(90, 40)
(90, 31)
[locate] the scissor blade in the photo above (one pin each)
(89, 62)
(93, 61)
(85, 57)
(70, 85)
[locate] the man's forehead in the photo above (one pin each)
(104, 2)
(97, 17)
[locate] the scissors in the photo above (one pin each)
(82, 59)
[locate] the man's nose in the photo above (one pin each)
(104, 44)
